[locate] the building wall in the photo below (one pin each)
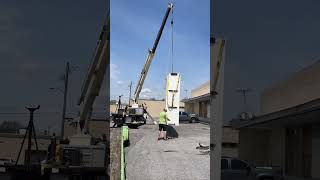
(10, 145)
(276, 147)
(253, 146)
(298, 89)
(196, 107)
(230, 141)
(264, 147)
(154, 107)
(189, 107)
(208, 110)
(315, 152)
(96, 128)
(201, 90)
(230, 152)
(113, 108)
(230, 135)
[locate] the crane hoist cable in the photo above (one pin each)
(169, 64)
(172, 53)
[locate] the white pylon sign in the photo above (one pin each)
(173, 98)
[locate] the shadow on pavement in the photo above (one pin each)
(171, 132)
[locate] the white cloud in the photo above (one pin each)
(118, 86)
(146, 90)
(144, 96)
(120, 82)
(114, 71)
(147, 93)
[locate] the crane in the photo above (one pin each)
(81, 152)
(151, 53)
(136, 112)
(95, 75)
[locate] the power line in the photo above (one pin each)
(20, 113)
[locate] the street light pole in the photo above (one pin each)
(186, 90)
(130, 92)
(65, 93)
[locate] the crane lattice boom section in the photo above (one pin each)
(92, 84)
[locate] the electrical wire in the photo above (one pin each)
(23, 113)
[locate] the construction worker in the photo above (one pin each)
(163, 125)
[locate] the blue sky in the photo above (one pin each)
(134, 26)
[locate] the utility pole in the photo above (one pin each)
(130, 86)
(217, 61)
(65, 93)
(244, 92)
(49, 127)
(186, 90)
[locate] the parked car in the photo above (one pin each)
(191, 118)
(236, 169)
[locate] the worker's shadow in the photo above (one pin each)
(171, 132)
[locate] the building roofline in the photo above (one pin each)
(313, 105)
(198, 98)
(207, 83)
(150, 99)
(292, 76)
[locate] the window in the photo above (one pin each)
(238, 165)
(224, 164)
(184, 113)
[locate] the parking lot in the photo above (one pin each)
(147, 158)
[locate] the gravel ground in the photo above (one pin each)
(150, 159)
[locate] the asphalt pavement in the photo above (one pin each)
(177, 158)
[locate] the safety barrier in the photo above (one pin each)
(124, 138)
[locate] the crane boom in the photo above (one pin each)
(150, 55)
(95, 75)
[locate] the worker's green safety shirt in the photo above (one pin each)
(163, 118)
